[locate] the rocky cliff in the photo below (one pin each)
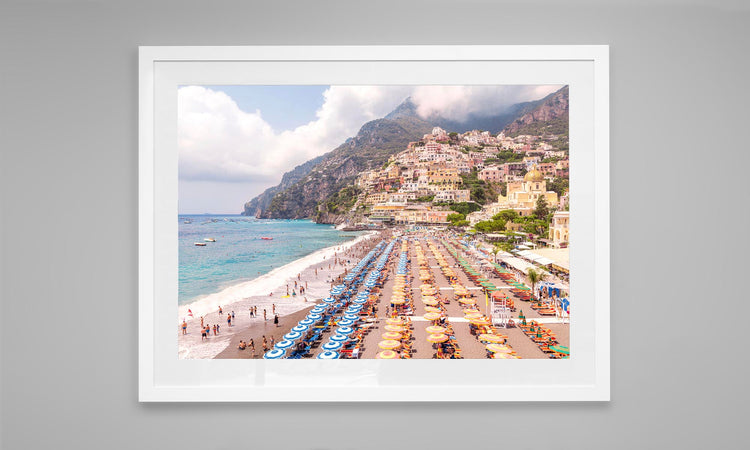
(546, 116)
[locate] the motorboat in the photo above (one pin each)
(210, 240)
(266, 238)
(200, 244)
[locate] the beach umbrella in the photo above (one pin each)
(437, 338)
(480, 321)
(431, 316)
(307, 322)
(432, 309)
(274, 354)
(560, 349)
(292, 335)
(314, 316)
(491, 338)
(332, 345)
(396, 328)
(329, 300)
(473, 315)
(355, 308)
(328, 355)
(300, 328)
(429, 301)
(285, 344)
(394, 321)
(345, 330)
(351, 316)
(497, 348)
(339, 338)
(467, 301)
(389, 344)
(391, 335)
(397, 301)
(387, 354)
(345, 323)
(435, 329)
(504, 356)
(360, 301)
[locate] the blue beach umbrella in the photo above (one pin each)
(307, 322)
(360, 301)
(300, 328)
(339, 338)
(329, 300)
(333, 345)
(276, 353)
(350, 317)
(328, 355)
(345, 322)
(285, 344)
(293, 335)
(345, 330)
(314, 316)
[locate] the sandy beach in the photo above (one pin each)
(470, 347)
(315, 272)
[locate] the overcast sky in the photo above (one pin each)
(236, 141)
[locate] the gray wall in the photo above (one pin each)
(68, 108)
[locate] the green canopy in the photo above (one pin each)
(560, 349)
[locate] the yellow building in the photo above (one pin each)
(523, 195)
(559, 229)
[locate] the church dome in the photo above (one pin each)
(533, 175)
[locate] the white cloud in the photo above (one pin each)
(459, 102)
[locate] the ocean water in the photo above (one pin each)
(239, 254)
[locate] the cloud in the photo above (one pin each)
(460, 102)
(221, 143)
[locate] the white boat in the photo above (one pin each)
(200, 244)
(210, 240)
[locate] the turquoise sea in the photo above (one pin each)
(239, 254)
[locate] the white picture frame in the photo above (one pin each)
(584, 377)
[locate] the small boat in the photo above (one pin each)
(210, 240)
(266, 238)
(200, 244)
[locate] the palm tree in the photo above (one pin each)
(535, 277)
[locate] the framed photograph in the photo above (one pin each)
(390, 223)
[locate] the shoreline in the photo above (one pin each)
(255, 293)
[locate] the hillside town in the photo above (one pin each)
(467, 179)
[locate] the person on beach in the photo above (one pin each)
(184, 327)
(242, 345)
(273, 341)
(218, 328)
(273, 308)
(220, 310)
(203, 334)
(276, 320)
(232, 315)
(251, 312)
(201, 321)
(252, 347)
(265, 344)
(214, 330)
(229, 320)
(265, 315)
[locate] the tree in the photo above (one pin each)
(542, 208)
(455, 217)
(535, 277)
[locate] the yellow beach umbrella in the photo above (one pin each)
(389, 344)
(394, 328)
(387, 354)
(480, 321)
(497, 348)
(435, 329)
(437, 338)
(432, 309)
(429, 301)
(473, 315)
(467, 301)
(391, 335)
(394, 321)
(431, 316)
(491, 338)
(398, 300)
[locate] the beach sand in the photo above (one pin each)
(245, 327)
